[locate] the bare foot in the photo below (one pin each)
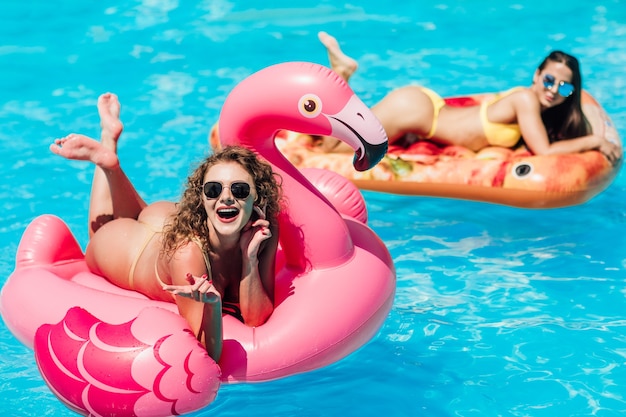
(109, 111)
(83, 148)
(341, 63)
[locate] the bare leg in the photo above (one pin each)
(110, 123)
(113, 195)
(101, 202)
(344, 66)
(117, 198)
(341, 63)
(121, 197)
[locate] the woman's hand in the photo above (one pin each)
(199, 289)
(253, 234)
(611, 150)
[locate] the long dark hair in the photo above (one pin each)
(566, 121)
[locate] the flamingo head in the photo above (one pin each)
(306, 98)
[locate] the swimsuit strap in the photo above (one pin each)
(156, 274)
(142, 248)
(232, 309)
(205, 255)
(438, 103)
(499, 96)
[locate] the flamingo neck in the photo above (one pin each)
(312, 232)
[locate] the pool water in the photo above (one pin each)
(498, 311)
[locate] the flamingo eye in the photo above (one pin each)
(310, 105)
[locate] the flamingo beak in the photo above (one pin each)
(356, 125)
(369, 155)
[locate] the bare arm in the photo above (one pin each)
(533, 131)
(197, 299)
(256, 289)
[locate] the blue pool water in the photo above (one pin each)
(498, 311)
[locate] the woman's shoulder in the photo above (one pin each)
(516, 91)
(522, 96)
(187, 258)
(189, 249)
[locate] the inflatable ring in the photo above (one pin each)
(97, 345)
(512, 177)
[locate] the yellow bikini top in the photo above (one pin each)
(499, 134)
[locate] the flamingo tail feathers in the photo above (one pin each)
(47, 240)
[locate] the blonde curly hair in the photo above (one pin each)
(190, 219)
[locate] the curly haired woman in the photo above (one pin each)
(213, 252)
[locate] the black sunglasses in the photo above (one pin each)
(239, 189)
(564, 89)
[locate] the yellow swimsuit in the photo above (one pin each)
(438, 103)
(499, 134)
(133, 265)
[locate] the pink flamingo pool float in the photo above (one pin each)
(104, 350)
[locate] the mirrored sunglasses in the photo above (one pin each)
(564, 89)
(213, 189)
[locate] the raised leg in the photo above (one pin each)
(341, 63)
(112, 193)
(402, 111)
(344, 66)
